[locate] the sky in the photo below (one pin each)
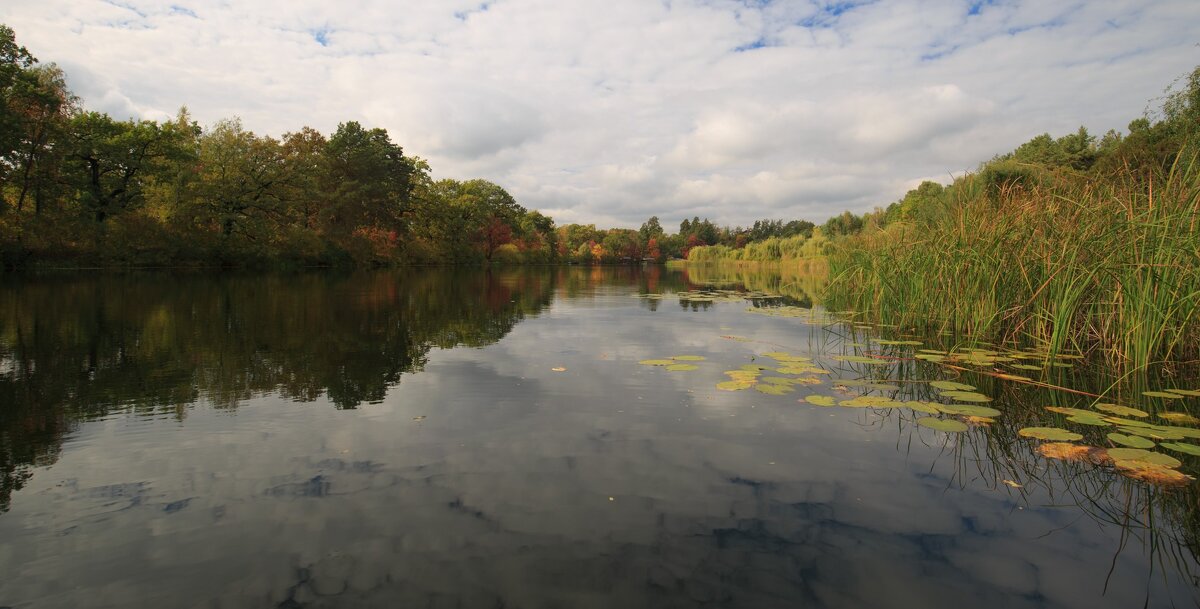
(610, 111)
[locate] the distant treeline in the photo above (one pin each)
(80, 188)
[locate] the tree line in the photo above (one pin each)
(82, 188)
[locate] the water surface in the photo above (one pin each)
(488, 439)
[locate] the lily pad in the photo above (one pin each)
(947, 425)
(925, 407)
(1162, 394)
(930, 357)
(1069, 452)
(1050, 433)
(966, 396)
(682, 367)
(969, 409)
(1026, 367)
(1123, 411)
(1154, 432)
(773, 389)
(1153, 473)
(1138, 454)
(1181, 447)
(1070, 411)
(688, 358)
(820, 400)
(1089, 419)
(951, 386)
(1188, 392)
(1130, 441)
(870, 401)
(735, 385)
(1178, 417)
(656, 362)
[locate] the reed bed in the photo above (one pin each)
(1066, 261)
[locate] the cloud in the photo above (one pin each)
(612, 111)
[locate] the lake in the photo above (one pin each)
(556, 437)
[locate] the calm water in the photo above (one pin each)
(401, 439)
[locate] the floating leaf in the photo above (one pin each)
(980, 421)
(1013, 483)
(1026, 367)
(1178, 417)
(969, 409)
(926, 407)
(1162, 394)
(1190, 449)
(966, 396)
(1124, 411)
(806, 380)
(870, 401)
(1130, 441)
(1089, 419)
(1049, 433)
(773, 389)
(947, 425)
(951, 386)
(688, 358)
(1154, 432)
(1069, 452)
(1138, 454)
(1188, 392)
(559, 369)
(656, 362)
(682, 367)
(1153, 473)
(735, 385)
(1070, 411)
(930, 357)
(820, 400)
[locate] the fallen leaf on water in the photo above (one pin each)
(1071, 452)
(559, 369)
(420, 418)
(1014, 484)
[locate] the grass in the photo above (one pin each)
(1063, 261)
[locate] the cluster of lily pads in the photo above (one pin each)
(676, 363)
(1133, 437)
(750, 376)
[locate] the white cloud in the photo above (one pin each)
(610, 111)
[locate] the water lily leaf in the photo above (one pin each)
(1187, 432)
(1089, 419)
(742, 375)
(794, 370)
(930, 357)
(947, 425)
(951, 386)
(870, 401)
(806, 380)
(656, 362)
(858, 359)
(980, 421)
(773, 389)
(969, 409)
(1162, 394)
(1124, 411)
(820, 400)
(1070, 452)
(682, 367)
(1062, 365)
(1178, 417)
(1130, 441)
(1153, 432)
(1026, 367)
(775, 380)
(1190, 449)
(1153, 473)
(735, 385)
(1070, 411)
(1138, 454)
(966, 396)
(1049, 433)
(1188, 392)
(688, 358)
(925, 407)
(1126, 422)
